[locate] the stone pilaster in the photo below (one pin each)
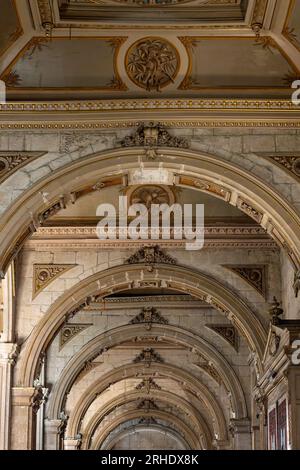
(8, 354)
(25, 404)
(241, 432)
(72, 443)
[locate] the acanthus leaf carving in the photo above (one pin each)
(13, 161)
(151, 137)
(148, 316)
(147, 385)
(148, 356)
(151, 255)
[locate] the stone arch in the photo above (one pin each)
(167, 332)
(166, 370)
(125, 276)
(244, 190)
(111, 442)
(193, 441)
(163, 395)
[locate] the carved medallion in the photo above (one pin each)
(255, 275)
(70, 330)
(152, 63)
(151, 194)
(43, 274)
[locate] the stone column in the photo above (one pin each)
(25, 404)
(241, 431)
(8, 355)
(52, 437)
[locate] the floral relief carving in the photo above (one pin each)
(148, 316)
(43, 274)
(152, 63)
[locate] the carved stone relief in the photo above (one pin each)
(152, 63)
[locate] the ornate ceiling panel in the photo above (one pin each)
(145, 11)
(10, 27)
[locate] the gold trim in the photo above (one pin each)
(187, 83)
(117, 84)
(108, 124)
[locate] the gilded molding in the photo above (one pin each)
(254, 275)
(10, 162)
(44, 274)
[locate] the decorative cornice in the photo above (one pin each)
(99, 114)
(69, 330)
(44, 274)
(227, 332)
(254, 274)
(10, 162)
(148, 356)
(148, 316)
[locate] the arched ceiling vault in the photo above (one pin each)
(193, 440)
(168, 333)
(242, 189)
(164, 396)
(125, 276)
(112, 440)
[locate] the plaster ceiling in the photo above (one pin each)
(95, 49)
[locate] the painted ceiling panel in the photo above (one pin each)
(64, 63)
(235, 63)
(292, 27)
(10, 28)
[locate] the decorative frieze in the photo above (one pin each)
(69, 330)
(148, 316)
(227, 332)
(44, 274)
(10, 162)
(248, 209)
(148, 356)
(255, 275)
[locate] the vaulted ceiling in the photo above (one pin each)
(94, 49)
